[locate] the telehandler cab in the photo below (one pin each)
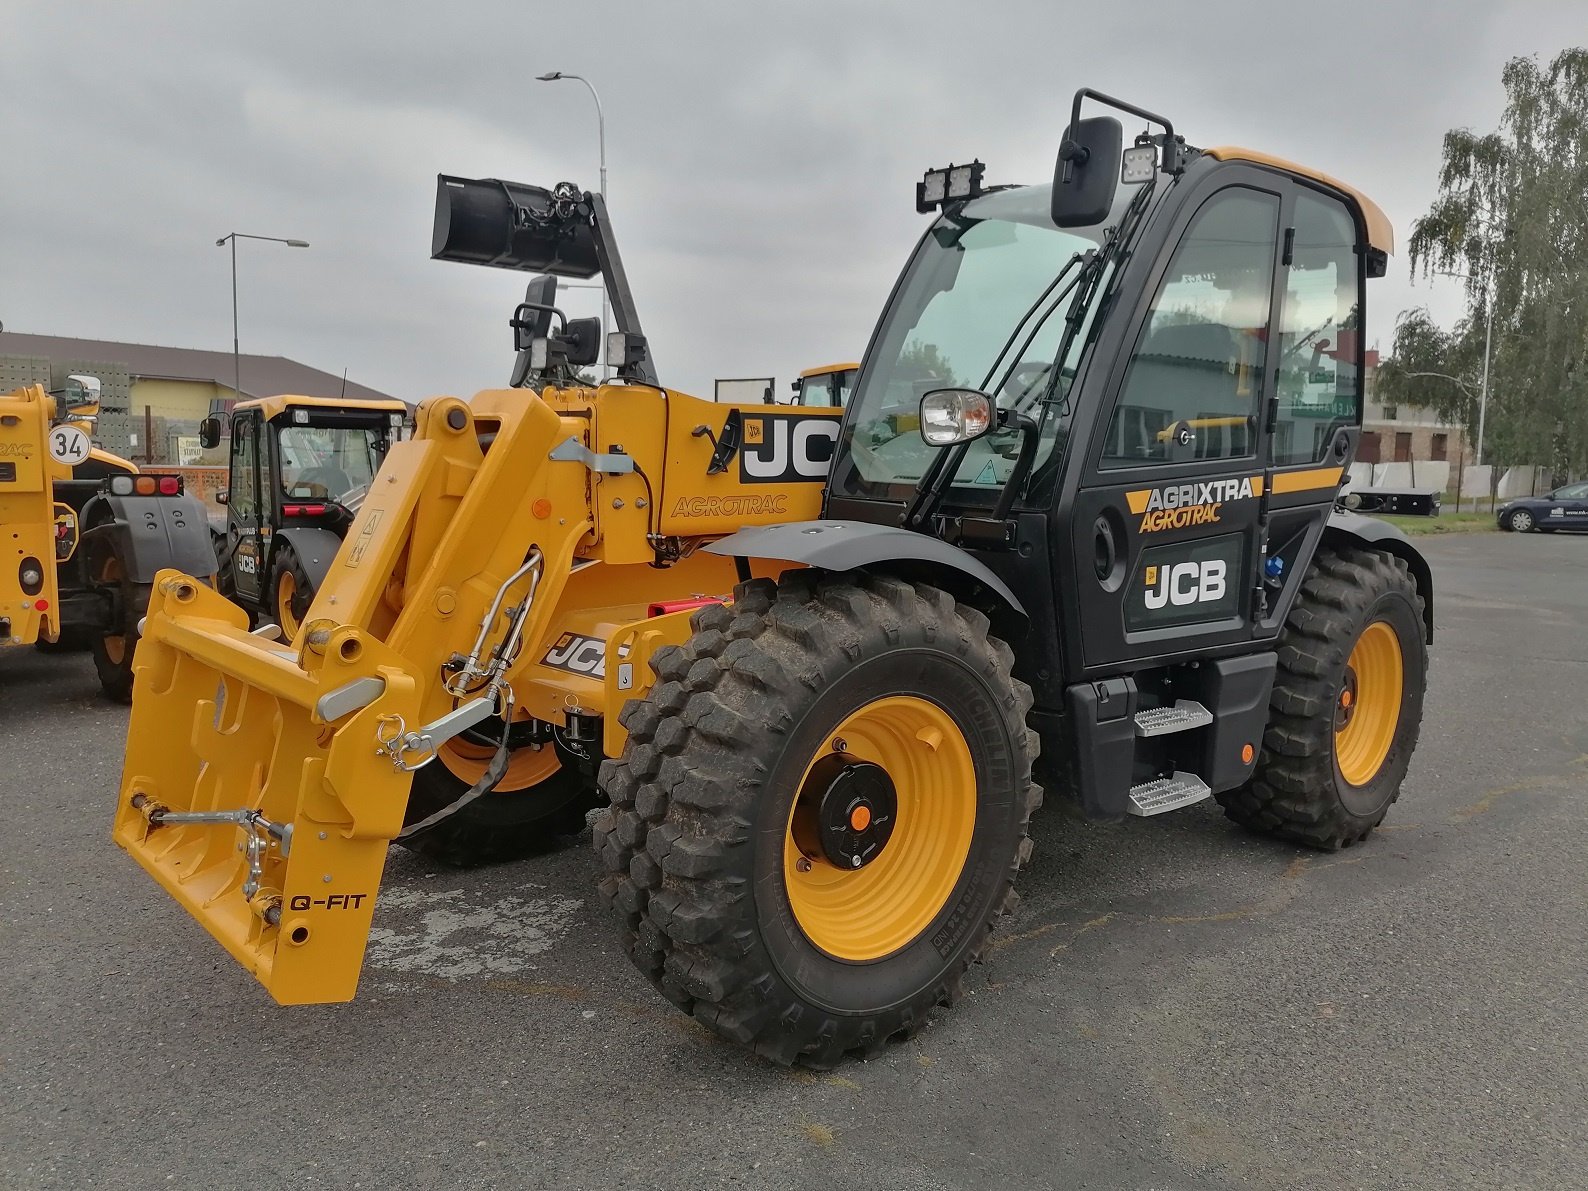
(86, 532)
(298, 469)
(782, 643)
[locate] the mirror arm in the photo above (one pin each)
(1171, 147)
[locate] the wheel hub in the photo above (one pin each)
(846, 812)
(1345, 705)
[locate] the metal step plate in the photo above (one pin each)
(1165, 794)
(1182, 717)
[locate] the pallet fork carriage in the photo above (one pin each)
(779, 643)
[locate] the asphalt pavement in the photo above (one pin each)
(1175, 1004)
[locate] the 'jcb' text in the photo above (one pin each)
(1183, 583)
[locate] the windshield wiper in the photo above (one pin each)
(1025, 318)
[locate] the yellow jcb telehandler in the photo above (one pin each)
(781, 644)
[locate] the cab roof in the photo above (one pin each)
(1380, 233)
(272, 407)
(826, 369)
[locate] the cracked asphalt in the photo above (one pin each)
(1175, 1004)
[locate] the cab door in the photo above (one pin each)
(244, 507)
(1166, 528)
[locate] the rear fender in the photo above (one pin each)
(153, 532)
(315, 547)
(1353, 529)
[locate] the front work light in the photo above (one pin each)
(1140, 160)
(950, 416)
(937, 187)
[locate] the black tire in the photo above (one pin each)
(288, 610)
(114, 649)
(499, 826)
(71, 640)
(225, 579)
(702, 797)
(1298, 792)
(1520, 521)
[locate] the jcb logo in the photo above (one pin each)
(1183, 583)
(782, 449)
(581, 655)
(578, 655)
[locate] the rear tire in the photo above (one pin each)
(114, 649)
(707, 834)
(1353, 646)
(538, 804)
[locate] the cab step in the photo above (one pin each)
(1165, 794)
(1182, 717)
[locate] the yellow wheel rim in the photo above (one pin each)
(871, 912)
(286, 592)
(467, 761)
(115, 644)
(1368, 706)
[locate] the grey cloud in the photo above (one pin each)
(763, 157)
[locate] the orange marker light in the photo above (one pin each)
(860, 818)
(1247, 753)
(541, 508)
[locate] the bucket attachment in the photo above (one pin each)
(263, 783)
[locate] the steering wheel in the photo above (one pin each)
(332, 479)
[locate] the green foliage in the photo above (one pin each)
(926, 361)
(1512, 217)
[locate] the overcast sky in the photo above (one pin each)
(762, 157)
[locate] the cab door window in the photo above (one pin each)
(1320, 333)
(243, 499)
(1193, 383)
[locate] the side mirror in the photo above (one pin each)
(210, 433)
(82, 391)
(532, 319)
(583, 339)
(1087, 171)
(222, 498)
(951, 416)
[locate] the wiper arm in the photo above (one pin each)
(1026, 317)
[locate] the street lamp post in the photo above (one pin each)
(233, 237)
(601, 144)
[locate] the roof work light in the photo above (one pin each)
(950, 184)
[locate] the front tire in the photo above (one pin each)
(1347, 704)
(819, 812)
(291, 591)
(1520, 521)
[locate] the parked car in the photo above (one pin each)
(1564, 508)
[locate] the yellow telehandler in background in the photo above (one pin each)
(781, 643)
(85, 531)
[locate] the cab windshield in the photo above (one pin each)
(983, 305)
(328, 463)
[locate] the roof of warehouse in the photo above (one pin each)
(263, 376)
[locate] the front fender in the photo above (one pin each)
(315, 547)
(153, 532)
(1354, 529)
(858, 545)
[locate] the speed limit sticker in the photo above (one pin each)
(68, 444)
